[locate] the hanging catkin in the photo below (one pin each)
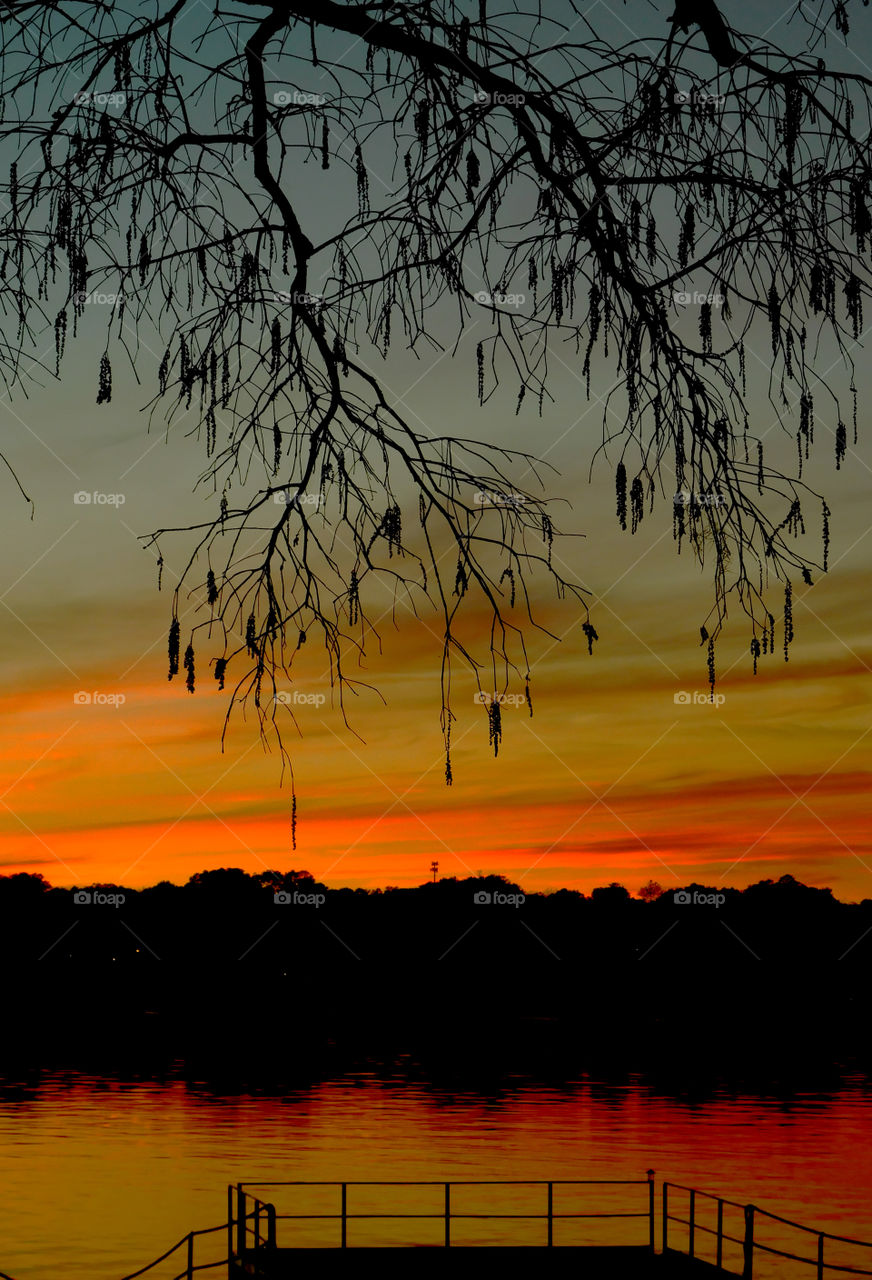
(636, 504)
(60, 338)
(189, 668)
(104, 389)
(687, 239)
(773, 306)
(788, 619)
(621, 489)
(362, 183)
(175, 631)
(494, 725)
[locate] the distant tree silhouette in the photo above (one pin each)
(277, 880)
(789, 892)
(613, 894)
(24, 885)
(651, 891)
(222, 880)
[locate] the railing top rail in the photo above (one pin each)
(853, 1271)
(457, 1217)
(207, 1231)
(766, 1213)
(457, 1182)
(788, 1222)
(798, 1257)
(709, 1195)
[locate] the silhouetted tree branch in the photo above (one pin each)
(168, 152)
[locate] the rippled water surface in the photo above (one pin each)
(101, 1177)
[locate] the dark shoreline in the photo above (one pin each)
(771, 988)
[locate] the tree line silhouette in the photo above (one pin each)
(274, 978)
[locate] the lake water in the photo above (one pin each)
(102, 1176)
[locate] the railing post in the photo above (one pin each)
(240, 1220)
(550, 1214)
(748, 1269)
(447, 1215)
(720, 1257)
(190, 1255)
(257, 1226)
(229, 1231)
(271, 1226)
(651, 1210)
(691, 1224)
(820, 1258)
(665, 1232)
(343, 1241)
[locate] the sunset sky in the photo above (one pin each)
(610, 779)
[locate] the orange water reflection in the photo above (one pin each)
(103, 1176)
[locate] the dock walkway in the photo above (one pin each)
(605, 1262)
